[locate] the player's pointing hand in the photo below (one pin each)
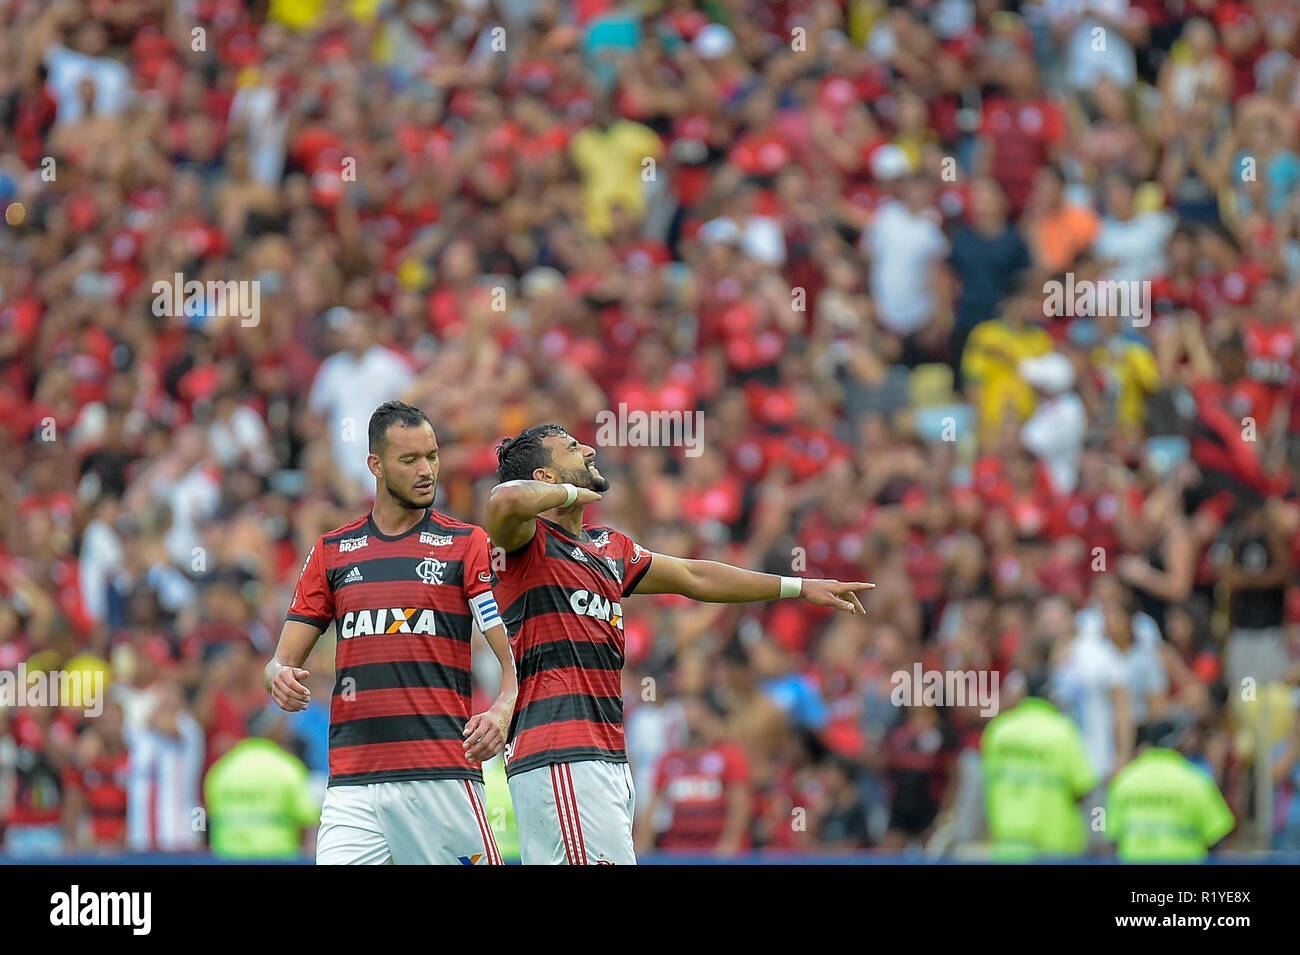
(835, 593)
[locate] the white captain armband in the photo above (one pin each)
(484, 608)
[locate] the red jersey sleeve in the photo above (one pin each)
(313, 600)
(736, 771)
(476, 582)
(477, 576)
(636, 560)
(1053, 122)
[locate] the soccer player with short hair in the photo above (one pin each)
(403, 586)
(560, 592)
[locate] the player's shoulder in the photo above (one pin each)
(443, 530)
(600, 534)
(451, 524)
(350, 529)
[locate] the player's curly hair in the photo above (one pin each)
(518, 458)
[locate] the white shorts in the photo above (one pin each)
(575, 814)
(415, 822)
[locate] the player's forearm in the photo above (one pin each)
(295, 644)
(525, 499)
(509, 687)
(715, 582)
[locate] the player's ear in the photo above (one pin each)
(375, 464)
(541, 474)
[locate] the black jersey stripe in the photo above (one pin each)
(395, 570)
(370, 730)
(573, 706)
(572, 754)
(560, 654)
(395, 674)
(405, 775)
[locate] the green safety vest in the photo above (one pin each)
(259, 801)
(1035, 770)
(500, 810)
(1162, 808)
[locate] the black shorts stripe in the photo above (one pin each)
(394, 729)
(390, 675)
(559, 654)
(575, 706)
(573, 754)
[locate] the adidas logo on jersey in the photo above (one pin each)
(579, 554)
(354, 576)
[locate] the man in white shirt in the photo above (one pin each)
(906, 247)
(165, 760)
(69, 67)
(1108, 688)
(349, 385)
(1095, 38)
(1132, 243)
(1055, 431)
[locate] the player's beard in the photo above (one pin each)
(584, 477)
(402, 499)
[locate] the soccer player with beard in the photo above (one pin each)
(560, 591)
(402, 586)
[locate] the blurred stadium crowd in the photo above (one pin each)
(827, 225)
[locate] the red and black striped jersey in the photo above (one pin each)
(560, 598)
(693, 782)
(401, 609)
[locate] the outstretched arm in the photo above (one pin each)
(714, 582)
(512, 509)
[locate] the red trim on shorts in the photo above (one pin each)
(577, 820)
(481, 818)
(561, 808)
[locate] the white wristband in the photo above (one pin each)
(791, 586)
(572, 491)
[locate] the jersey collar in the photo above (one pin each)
(374, 528)
(563, 532)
